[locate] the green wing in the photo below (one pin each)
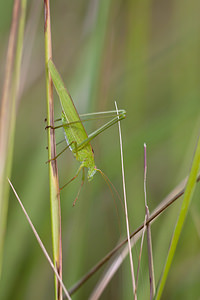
(75, 132)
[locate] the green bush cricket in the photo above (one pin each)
(75, 134)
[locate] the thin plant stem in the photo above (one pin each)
(145, 219)
(141, 247)
(40, 242)
(149, 241)
(53, 171)
(126, 211)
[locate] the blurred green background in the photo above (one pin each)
(146, 56)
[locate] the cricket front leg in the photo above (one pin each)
(77, 173)
(82, 182)
(73, 142)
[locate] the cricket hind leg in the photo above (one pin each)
(82, 182)
(73, 178)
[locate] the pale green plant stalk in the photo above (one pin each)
(149, 240)
(147, 228)
(182, 216)
(53, 171)
(8, 109)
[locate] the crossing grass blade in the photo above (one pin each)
(182, 216)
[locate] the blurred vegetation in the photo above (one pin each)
(145, 55)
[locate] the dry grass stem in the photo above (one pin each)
(40, 242)
(126, 212)
(149, 241)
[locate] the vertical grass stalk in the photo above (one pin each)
(53, 171)
(8, 109)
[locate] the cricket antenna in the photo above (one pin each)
(109, 184)
(82, 182)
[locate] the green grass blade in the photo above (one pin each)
(183, 213)
(8, 109)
